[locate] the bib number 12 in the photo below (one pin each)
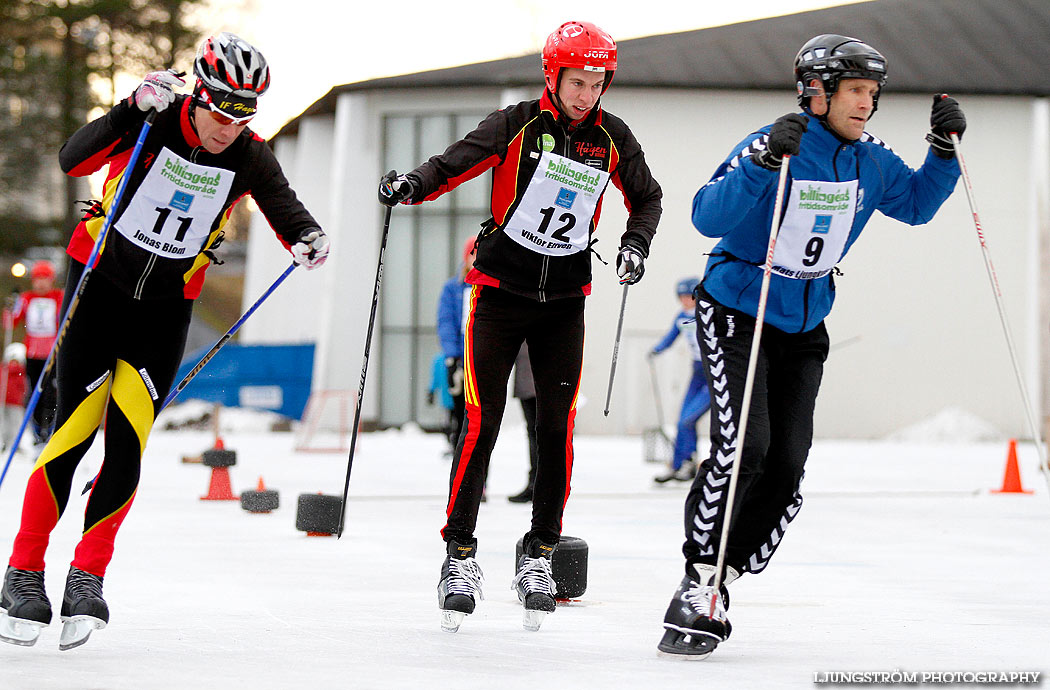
(567, 218)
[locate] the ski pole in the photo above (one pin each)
(1044, 467)
(616, 349)
(749, 381)
(656, 395)
(364, 373)
(224, 339)
(81, 283)
(215, 349)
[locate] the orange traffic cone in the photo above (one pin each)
(219, 488)
(1012, 476)
(261, 487)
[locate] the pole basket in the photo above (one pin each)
(325, 427)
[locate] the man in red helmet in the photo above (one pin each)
(125, 339)
(551, 160)
(40, 309)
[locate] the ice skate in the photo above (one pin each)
(25, 607)
(534, 583)
(460, 586)
(524, 497)
(685, 473)
(690, 631)
(83, 608)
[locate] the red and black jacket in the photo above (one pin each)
(110, 140)
(508, 141)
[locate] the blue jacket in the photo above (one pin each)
(737, 205)
(450, 317)
(684, 323)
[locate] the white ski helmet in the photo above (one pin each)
(15, 351)
(231, 75)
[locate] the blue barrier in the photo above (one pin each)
(276, 378)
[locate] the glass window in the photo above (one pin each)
(423, 251)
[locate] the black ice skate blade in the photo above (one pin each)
(685, 647)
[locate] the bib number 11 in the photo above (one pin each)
(162, 217)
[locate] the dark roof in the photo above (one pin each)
(988, 47)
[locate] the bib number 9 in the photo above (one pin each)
(813, 249)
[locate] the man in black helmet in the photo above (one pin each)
(125, 339)
(839, 176)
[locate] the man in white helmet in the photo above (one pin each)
(126, 337)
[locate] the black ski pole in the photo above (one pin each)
(616, 348)
(364, 372)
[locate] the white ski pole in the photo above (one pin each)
(749, 381)
(993, 278)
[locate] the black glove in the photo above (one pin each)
(945, 118)
(395, 189)
(454, 373)
(785, 137)
(630, 265)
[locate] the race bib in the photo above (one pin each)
(554, 215)
(42, 318)
(818, 217)
(173, 209)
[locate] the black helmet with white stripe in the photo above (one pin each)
(831, 58)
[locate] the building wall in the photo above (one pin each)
(915, 329)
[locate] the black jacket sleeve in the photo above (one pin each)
(483, 148)
(93, 144)
(276, 199)
(641, 191)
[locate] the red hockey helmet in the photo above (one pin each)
(42, 269)
(582, 45)
(468, 249)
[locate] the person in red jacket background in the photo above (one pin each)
(40, 310)
(14, 387)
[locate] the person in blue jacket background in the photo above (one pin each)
(697, 399)
(454, 294)
(839, 175)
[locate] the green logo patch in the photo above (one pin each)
(545, 142)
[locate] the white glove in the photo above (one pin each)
(311, 250)
(156, 91)
(630, 265)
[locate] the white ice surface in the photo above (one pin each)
(900, 559)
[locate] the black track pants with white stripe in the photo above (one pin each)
(779, 435)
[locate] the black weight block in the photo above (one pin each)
(216, 457)
(568, 566)
(260, 501)
(318, 513)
